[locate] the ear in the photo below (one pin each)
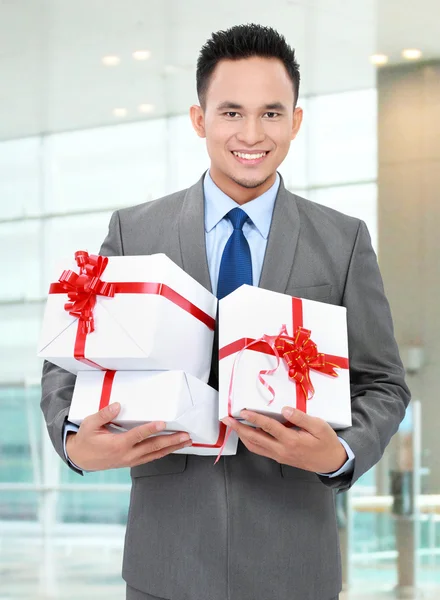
(198, 120)
(297, 120)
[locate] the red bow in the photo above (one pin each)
(301, 354)
(83, 288)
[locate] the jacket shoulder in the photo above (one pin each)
(168, 204)
(323, 218)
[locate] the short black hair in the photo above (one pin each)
(244, 41)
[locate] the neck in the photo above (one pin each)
(237, 192)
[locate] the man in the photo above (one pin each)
(259, 525)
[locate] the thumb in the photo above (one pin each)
(103, 416)
(313, 425)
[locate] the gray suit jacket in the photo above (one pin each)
(250, 528)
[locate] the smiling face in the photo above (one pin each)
(249, 121)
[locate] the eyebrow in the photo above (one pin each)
(235, 106)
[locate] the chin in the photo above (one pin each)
(250, 182)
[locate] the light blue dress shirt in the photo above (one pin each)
(218, 229)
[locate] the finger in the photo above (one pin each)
(257, 449)
(102, 417)
(252, 436)
(267, 424)
(141, 432)
(157, 442)
(313, 425)
(150, 456)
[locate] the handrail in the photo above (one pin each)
(425, 503)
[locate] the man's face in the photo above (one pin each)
(249, 110)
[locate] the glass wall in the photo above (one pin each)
(70, 156)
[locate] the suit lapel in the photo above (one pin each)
(282, 241)
(192, 235)
(280, 251)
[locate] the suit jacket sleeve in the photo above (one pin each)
(379, 394)
(56, 383)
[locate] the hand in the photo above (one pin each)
(313, 447)
(94, 448)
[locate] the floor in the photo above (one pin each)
(89, 569)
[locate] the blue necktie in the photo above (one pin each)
(236, 263)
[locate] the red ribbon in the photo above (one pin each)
(83, 288)
(299, 353)
(105, 401)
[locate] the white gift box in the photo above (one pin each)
(250, 313)
(160, 318)
(182, 401)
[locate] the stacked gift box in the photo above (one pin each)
(138, 330)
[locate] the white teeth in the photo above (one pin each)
(250, 156)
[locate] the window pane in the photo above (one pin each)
(342, 137)
(294, 167)
(188, 157)
(19, 259)
(109, 167)
(19, 332)
(94, 507)
(65, 235)
(19, 178)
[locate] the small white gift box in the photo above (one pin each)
(278, 351)
(182, 401)
(130, 313)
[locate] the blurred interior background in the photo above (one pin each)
(94, 101)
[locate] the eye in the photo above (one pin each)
(273, 113)
(231, 114)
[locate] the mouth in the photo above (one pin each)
(250, 158)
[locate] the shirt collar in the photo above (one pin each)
(218, 204)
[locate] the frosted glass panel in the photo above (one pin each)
(294, 167)
(19, 260)
(108, 167)
(188, 157)
(342, 138)
(19, 332)
(355, 200)
(20, 178)
(65, 235)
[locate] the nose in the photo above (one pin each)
(251, 132)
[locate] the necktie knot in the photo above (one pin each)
(238, 218)
(236, 263)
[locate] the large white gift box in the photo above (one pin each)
(129, 313)
(182, 401)
(311, 370)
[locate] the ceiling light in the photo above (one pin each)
(146, 108)
(111, 61)
(379, 59)
(120, 112)
(411, 53)
(141, 54)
